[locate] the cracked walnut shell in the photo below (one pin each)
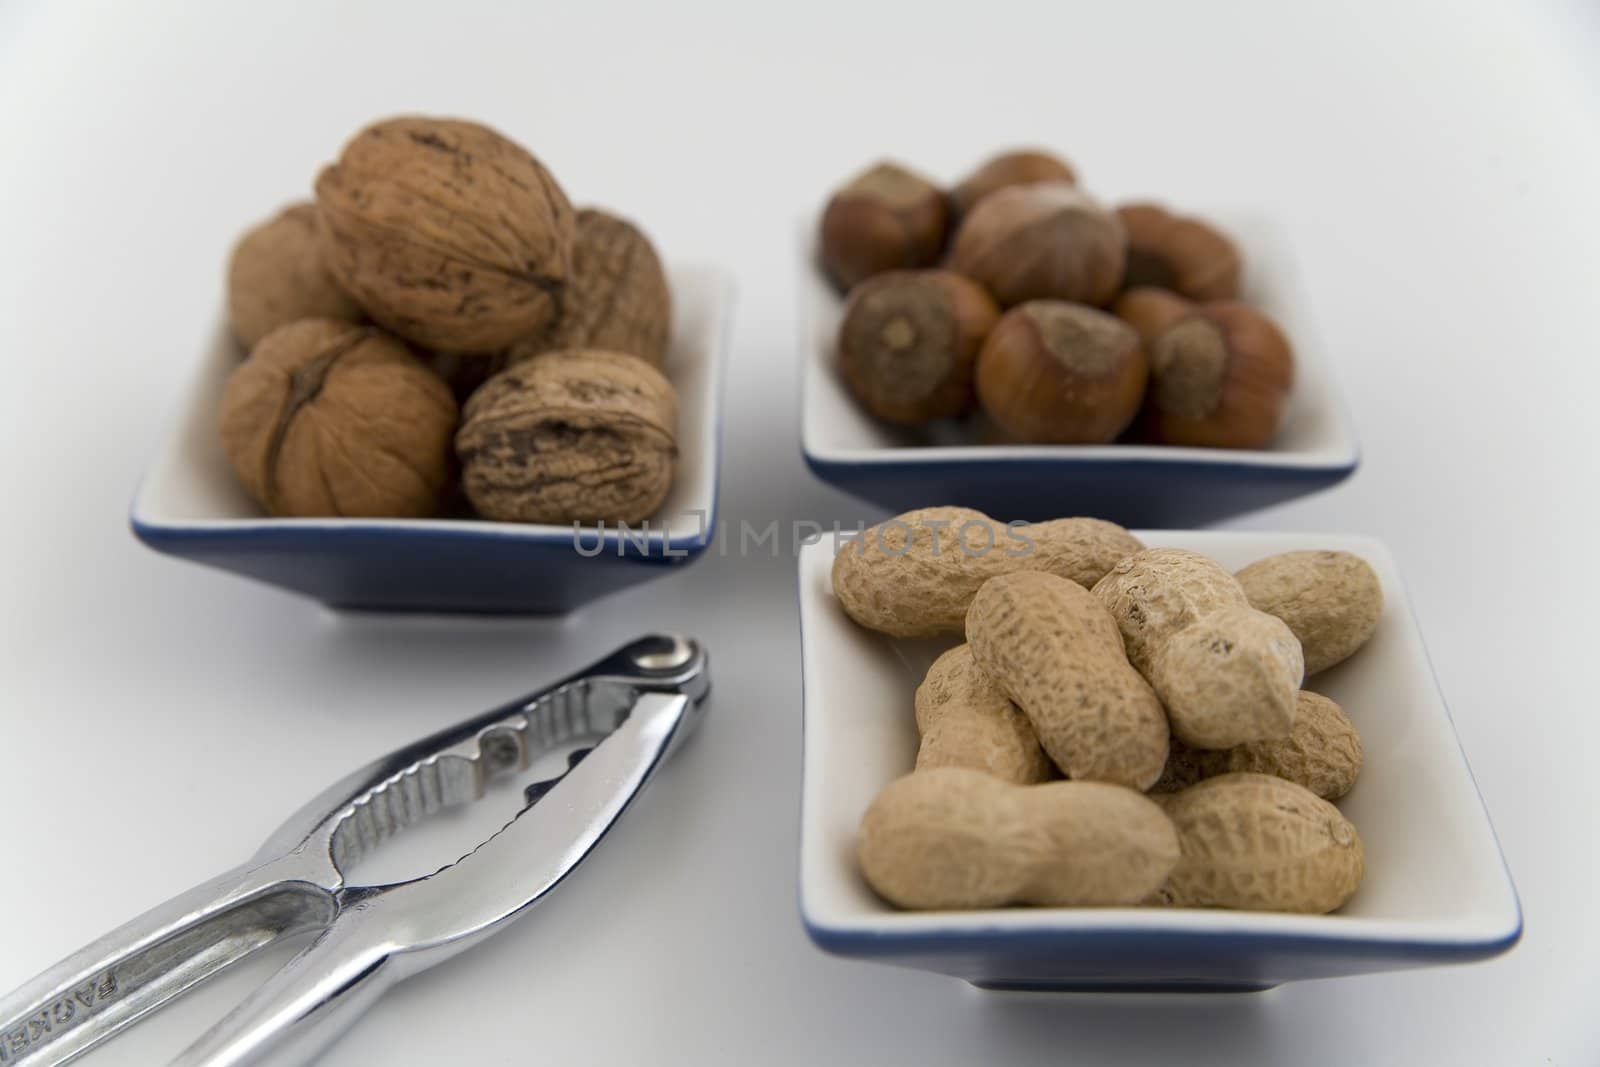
(447, 233)
(328, 418)
(617, 300)
(576, 436)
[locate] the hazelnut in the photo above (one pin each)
(1018, 167)
(886, 218)
(1047, 241)
(617, 300)
(571, 436)
(1150, 310)
(447, 233)
(908, 342)
(1218, 378)
(1179, 253)
(276, 276)
(329, 418)
(1060, 373)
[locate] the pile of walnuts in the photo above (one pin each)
(1065, 322)
(440, 324)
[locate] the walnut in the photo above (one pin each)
(465, 373)
(329, 418)
(617, 299)
(276, 275)
(447, 233)
(572, 436)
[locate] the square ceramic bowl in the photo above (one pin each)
(1436, 888)
(900, 468)
(190, 505)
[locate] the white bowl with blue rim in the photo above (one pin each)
(190, 505)
(1436, 888)
(900, 468)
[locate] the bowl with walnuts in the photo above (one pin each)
(440, 386)
(1067, 756)
(1013, 344)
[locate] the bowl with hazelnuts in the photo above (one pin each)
(440, 386)
(1015, 345)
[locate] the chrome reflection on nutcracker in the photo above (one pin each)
(635, 706)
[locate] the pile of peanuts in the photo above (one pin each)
(1164, 689)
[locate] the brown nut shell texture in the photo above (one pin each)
(908, 342)
(570, 437)
(1048, 241)
(1151, 311)
(886, 218)
(1331, 600)
(914, 575)
(966, 721)
(957, 838)
(1061, 373)
(1157, 592)
(276, 276)
(447, 233)
(1219, 378)
(1186, 255)
(1054, 649)
(465, 373)
(1022, 166)
(1260, 843)
(618, 299)
(330, 419)
(1227, 673)
(1230, 678)
(1321, 753)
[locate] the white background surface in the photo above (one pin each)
(1435, 166)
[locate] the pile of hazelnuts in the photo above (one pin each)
(1019, 294)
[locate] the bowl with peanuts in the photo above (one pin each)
(1066, 756)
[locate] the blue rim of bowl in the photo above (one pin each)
(891, 460)
(657, 547)
(1046, 938)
